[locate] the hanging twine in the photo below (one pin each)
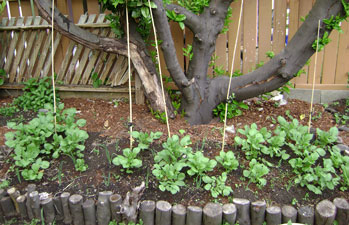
(129, 74)
(158, 59)
(231, 75)
(53, 65)
(313, 86)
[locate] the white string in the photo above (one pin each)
(129, 74)
(158, 58)
(231, 74)
(53, 64)
(313, 86)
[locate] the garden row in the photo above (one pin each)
(110, 209)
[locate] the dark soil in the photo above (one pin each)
(108, 134)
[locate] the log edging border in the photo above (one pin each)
(73, 209)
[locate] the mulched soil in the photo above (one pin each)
(108, 133)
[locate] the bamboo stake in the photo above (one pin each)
(160, 72)
(231, 75)
(313, 87)
(129, 75)
(53, 64)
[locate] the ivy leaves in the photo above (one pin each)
(179, 18)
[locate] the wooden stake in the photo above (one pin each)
(212, 214)
(65, 205)
(342, 216)
(194, 215)
(178, 214)
(273, 216)
(89, 209)
(258, 212)
(243, 211)
(163, 213)
(75, 206)
(306, 215)
(147, 212)
(229, 213)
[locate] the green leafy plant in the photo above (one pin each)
(227, 160)
(216, 185)
(253, 144)
(37, 92)
(9, 110)
(161, 116)
(145, 139)
(4, 184)
(179, 18)
(2, 6)
(174, 150)
(96, 82)
(196, 6)
(39, 141)
(188, 52)
(319, 45)
(234, 108)
(128, 160)
(255, 173)
(170, 176)
(199, 165)
(2, 71)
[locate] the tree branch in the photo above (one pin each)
(192, 21)
(168, 48)
(282, 67)
(140, 59)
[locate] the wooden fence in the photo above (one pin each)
(267, 25)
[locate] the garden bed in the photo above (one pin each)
(107, 127)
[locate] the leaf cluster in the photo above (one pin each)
(234, 108)
(216, 185)
(129, 159)
(40, 141)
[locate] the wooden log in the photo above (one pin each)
(89, 209)
(35, 204)
(306, 215)
(147, 212)
(163, 213)
(49, 209)
(288, 213)
(103, 208)
(30, 188)
(229, 213)
(7, 206)
(59, 209)
(194, 215)
(325, 213)
(65, 205)
(178, 214)
(243, 211)
(115, 207)
(75, 206)
(2, 215)
(212, 214)
(342, 216)
(258, 212)
(273, 215)
(21, 200)
(14, 193)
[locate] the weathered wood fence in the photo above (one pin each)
(75, 209)
(267, 25)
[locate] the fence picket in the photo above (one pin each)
(10, 53)
(264, 31)
(330, 59)
(236, 6)
(249, 36)
(93, 55)
(84, 56)
(279, 24)
(20, 49)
